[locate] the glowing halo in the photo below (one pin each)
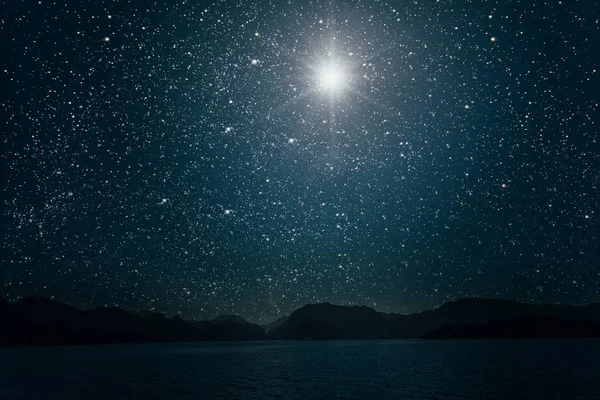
(332, 78)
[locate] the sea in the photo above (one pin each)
(386, 369)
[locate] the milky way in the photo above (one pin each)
(250, 157)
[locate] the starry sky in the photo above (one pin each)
(202, 158)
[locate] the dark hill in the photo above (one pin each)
(521, 327)
(339, 322)
(278, 322)
(234, 327)
(229, 319)
(38, 321)
(328, 321)
(41, 311)
(34, 320)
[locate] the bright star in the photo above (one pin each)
(332, 78)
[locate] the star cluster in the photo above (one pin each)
(243, 157)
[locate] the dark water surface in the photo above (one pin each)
(503, 369)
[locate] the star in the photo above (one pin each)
(332, 78)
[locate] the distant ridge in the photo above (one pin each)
(40, 321)
(328, 321)
(525, 327)
(228, 320)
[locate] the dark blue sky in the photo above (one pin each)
(250, 157)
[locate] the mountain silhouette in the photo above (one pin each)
(328, 321)
(234, 327)
(39, 321)
(521, 327)
(279, 321)
(228, 320)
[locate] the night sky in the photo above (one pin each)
(242, 157)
